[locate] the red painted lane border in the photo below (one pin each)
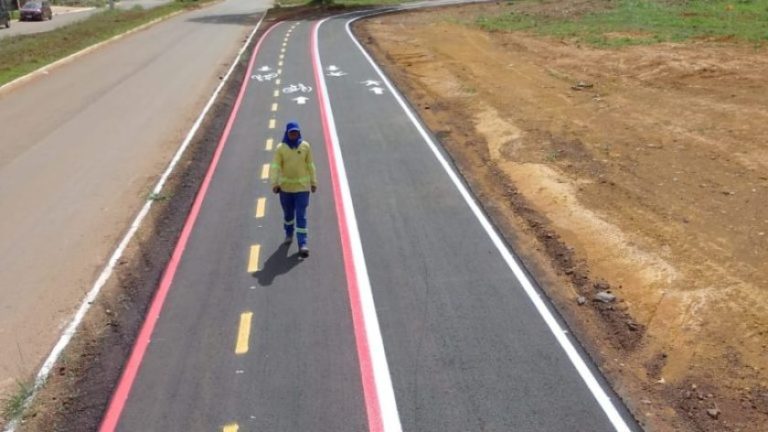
(370, 392)
(120, 396)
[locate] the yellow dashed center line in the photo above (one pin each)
(271, 123)
(277, 81)
(231, 428)
(270, 143)
(244, 333)
(261, 205)
(253, 259)
(277, 93)
(279, 71)
(282, 56)
(265, 172)
(282, 50)
(274, 107)
(280, 63)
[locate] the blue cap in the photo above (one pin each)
(292, 126)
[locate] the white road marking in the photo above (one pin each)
(390, 417)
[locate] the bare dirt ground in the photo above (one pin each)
(642, 171)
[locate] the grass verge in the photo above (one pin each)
(635, 22)
(13, 405)
(25, 53)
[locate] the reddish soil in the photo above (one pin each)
(642, 171)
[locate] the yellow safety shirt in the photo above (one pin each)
(293, 169)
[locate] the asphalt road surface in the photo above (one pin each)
(407, 315)
(81, 148)
(59, 20)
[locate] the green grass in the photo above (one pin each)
(648, 21)
(158, 196)
(25, 53)
(13, 405)
(552, 156)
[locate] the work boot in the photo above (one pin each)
(304, 251)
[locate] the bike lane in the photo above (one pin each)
(251, 337)
(471, 344)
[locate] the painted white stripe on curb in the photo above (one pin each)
(71, 328)
(390, 418)
(573, 355)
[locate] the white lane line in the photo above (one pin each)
(573, 355)
(71, 328)
(387, 405)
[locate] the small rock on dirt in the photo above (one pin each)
(581, 300)
(605, 297)
(714, 413)
(581, 85)
(601, 286)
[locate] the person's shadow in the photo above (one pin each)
(277, 264)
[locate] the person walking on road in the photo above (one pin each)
(293, 176)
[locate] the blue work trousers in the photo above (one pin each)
(295, 214)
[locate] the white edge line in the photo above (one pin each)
(387, 404)
(71, 328)
(573, 355)
(44, 69)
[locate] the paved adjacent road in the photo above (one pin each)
(63, 16)
(409, 313)
(60, 19)
(80, 150)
